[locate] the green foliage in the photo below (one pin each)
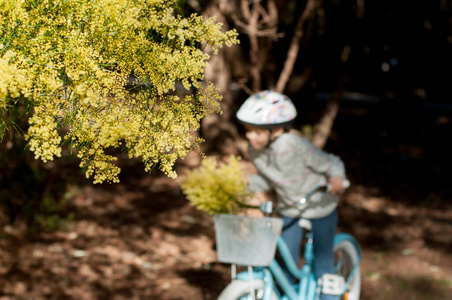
(50, 216)
(217, 187)
(31, 192)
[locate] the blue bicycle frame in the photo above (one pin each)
(307, 288)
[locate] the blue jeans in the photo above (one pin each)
(323, 231)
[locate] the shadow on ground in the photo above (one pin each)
(142, 240)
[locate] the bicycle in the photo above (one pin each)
(251, 242)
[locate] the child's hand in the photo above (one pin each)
(336, 184)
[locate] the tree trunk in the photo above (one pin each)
(323, 128)
(219, 130)
(292, 53)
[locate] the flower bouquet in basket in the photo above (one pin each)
(220, 189)
(217, 187)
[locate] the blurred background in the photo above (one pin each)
(372, 83)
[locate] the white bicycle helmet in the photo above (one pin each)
(267, 109)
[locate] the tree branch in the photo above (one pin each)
(292, 53)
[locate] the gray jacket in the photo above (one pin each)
(293, 167)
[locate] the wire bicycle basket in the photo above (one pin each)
(246, 241)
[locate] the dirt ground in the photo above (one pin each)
(141, 239)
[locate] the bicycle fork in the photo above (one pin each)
(258, 273)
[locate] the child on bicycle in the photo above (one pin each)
(291, 166)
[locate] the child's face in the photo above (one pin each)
(257, 137)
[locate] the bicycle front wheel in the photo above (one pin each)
(240, 290)
(347, 259)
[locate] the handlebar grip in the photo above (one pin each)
(345, 184)
(266, 207)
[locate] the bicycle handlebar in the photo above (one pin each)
(267, 207)
(320, 188)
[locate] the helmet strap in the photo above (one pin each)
(272, 136)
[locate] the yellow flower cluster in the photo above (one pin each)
(13, 83)
(217, 187)
(44, 138)
(74, 60)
